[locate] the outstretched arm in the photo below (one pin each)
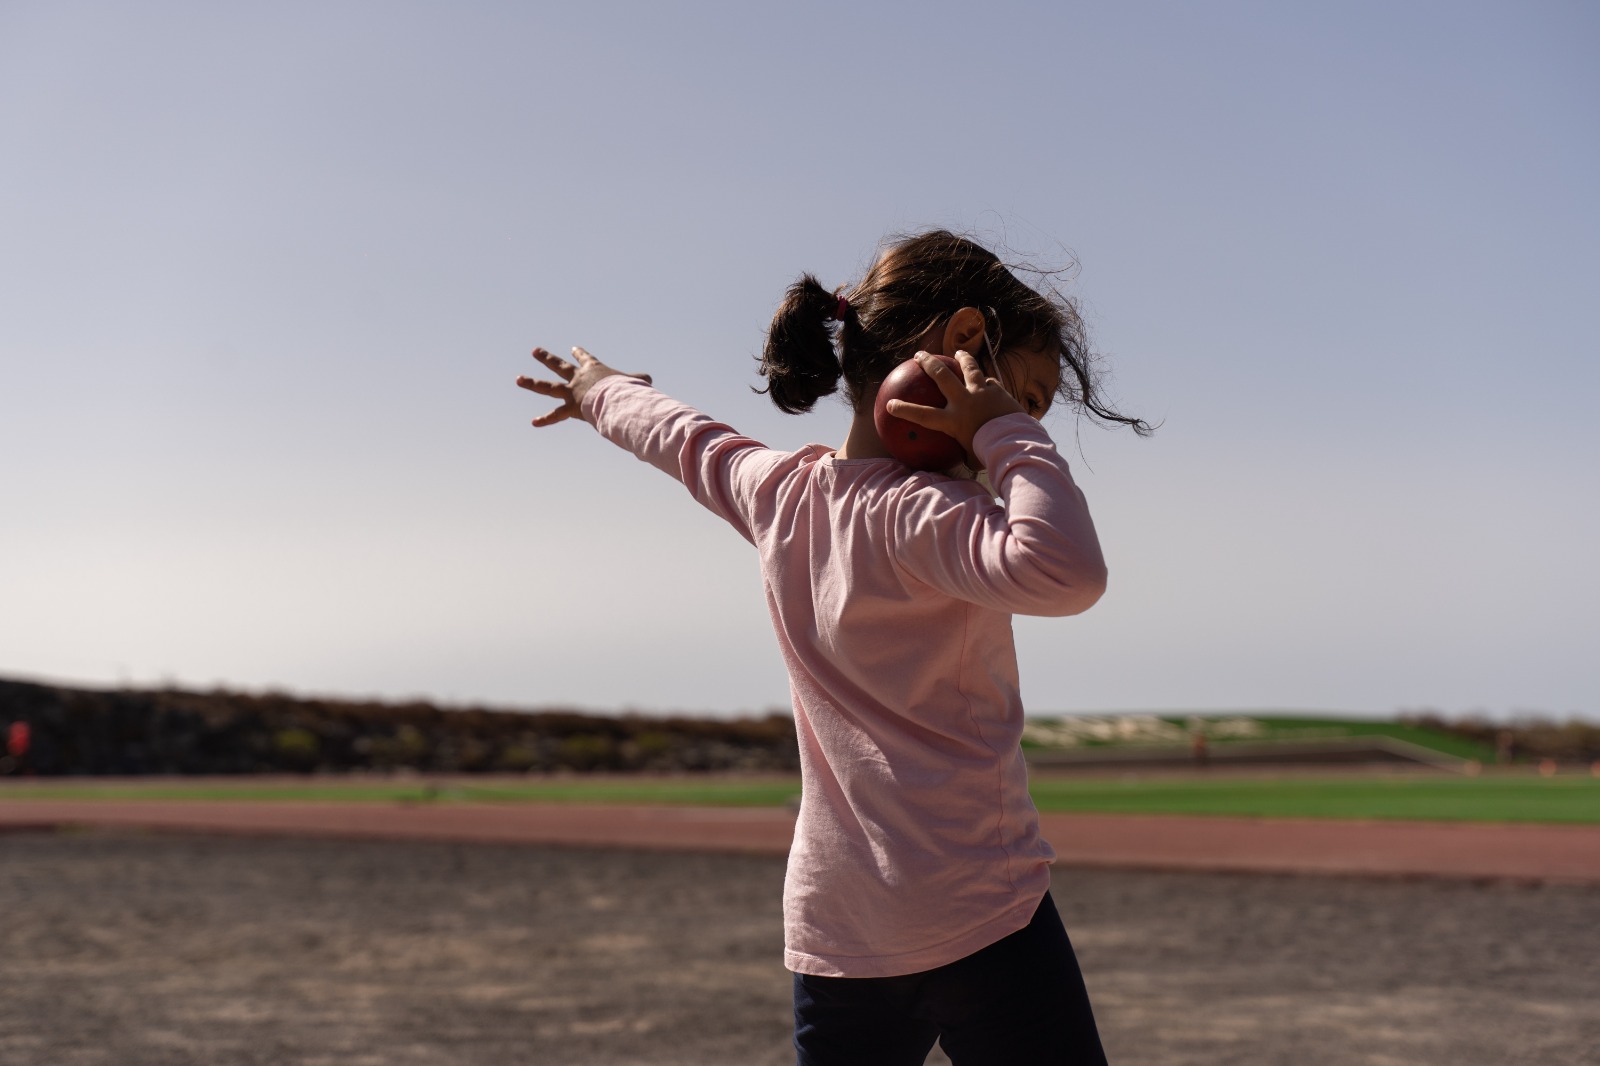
(719, 467)
(576, 381)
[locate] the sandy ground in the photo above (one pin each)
(129, 948)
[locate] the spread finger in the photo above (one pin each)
(559, 414)
(544, 388)
(950, 384)
(556, 363)
(969, 367)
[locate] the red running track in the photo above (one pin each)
(1133, 842)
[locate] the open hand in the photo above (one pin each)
(576, 381)
(971, 400)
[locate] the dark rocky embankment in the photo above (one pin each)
(175, 731)
(1524, 740)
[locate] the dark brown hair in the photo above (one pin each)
(916, 284)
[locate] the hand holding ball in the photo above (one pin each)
(916, 446)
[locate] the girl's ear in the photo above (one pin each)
(965, 333)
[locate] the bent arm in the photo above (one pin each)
(719, 466)
(1035, 553)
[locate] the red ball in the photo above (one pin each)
(916, 446)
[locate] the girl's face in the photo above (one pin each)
(1031, 376)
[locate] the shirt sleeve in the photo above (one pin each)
(1035, 552)
(720, 467)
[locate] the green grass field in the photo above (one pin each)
(1569, 798)
(711, 791)
(1306, 728)
(1268, 728)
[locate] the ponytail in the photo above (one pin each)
(915, 285)
(799, 361)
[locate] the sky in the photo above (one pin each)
(267, 273)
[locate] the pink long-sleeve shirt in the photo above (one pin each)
(891, 593)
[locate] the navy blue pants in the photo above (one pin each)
(1018, 1002)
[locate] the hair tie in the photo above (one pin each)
(844, 305)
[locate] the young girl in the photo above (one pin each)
(916, 904)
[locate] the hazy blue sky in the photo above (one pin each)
(267, 273)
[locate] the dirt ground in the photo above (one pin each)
(136, 949)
